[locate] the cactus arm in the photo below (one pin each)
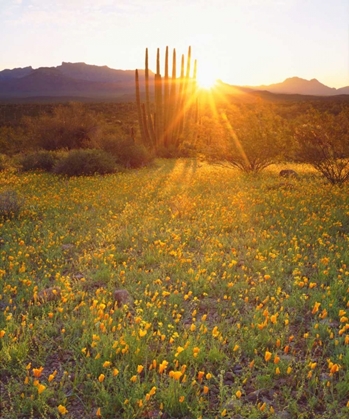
(139, 109)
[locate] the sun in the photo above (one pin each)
(206, 79)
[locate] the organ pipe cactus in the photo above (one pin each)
(163, 121)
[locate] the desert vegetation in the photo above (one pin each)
(235, 294)
(249, 134)
(154, 263)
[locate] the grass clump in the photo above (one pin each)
(10, 204)
(85, 162)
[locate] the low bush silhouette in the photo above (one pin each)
(322, 140)
(247, 137)
(42, 160)
(126, 152)
(85, 162)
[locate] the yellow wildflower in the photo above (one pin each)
(267, 356)
(41, 388)
(316, 307)
(179, 351)
(142, 333)
(62, 410)
(215, 332)
(163, 366)
(175, 374)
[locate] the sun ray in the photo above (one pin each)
(206, 78)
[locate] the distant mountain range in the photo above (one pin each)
(67, 80)
(297, 85)
(80, 80)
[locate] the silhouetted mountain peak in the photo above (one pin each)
(93, 73)
(16, 73)
(297, 85)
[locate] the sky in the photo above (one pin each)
(242, 42)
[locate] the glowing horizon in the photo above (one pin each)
(241, 42)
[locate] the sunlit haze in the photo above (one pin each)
(243, 42)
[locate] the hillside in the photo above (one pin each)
(89, 82)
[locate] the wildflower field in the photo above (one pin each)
(238, 294)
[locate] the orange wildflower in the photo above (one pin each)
(41, 388)
(175, 374)
(316, 307)
(62, 410)
(37, 372)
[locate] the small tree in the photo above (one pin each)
(322, 140)
(248, 137)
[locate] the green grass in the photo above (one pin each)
(240, 290)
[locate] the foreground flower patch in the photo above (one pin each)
(178, 290)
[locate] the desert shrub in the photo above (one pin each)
(256, 138)
(248, 137)
(12, 140)
(4, 162)
(186, 147)
(85, 162)
(67, 127)
(126, 152)
(43, 160)
(322, 140)
(10, 203)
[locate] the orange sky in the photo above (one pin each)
(246, 42)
